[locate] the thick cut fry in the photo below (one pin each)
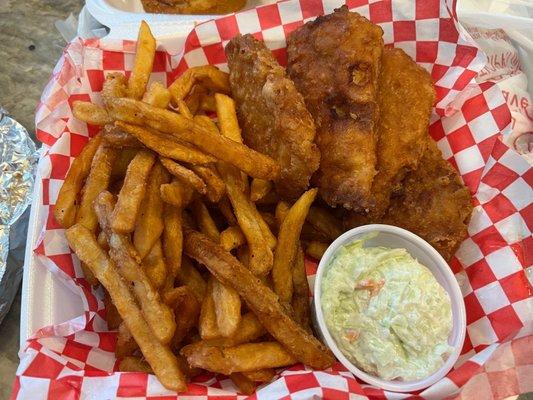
(207, 325)
(208, 75)
(112, 316)
(88, 274)
(165, 145)
(185, 175)
(227, 308)
(155, 266)
(120, 166)
(261, 375)
(144, 61)
(122, 252)
(215, 185)
(159, 356)
(183, 129)
(184, 110)
(243, 384)
(324, 222)
(259, 189)
(90, 113)
(66, 207)
(188, 275)
(244, 357)
(176, 193)
(114, 137)
(300, 300)
(157, 95)
(231, 238)
(132, 192)
(187, 310)
(149, 224)
(260, 299)
(281, 212)
(269, 219)
(249, 329)
(172, 243)
(227, 117)
(204, 221)
(194, 98)
(134, 364)
(289, 233)
(225, 208)
(265, 228)
(126, 344)
(115, 86)
(316, 249)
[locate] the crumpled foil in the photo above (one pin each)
(18, 159)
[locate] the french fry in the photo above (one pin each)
(66, 207)
(216, 187)
(194, 99)
(102, 241)
(227, 117)
(243, 384)
(122, 252)
(269, 219)
(112, 316)
(260, 299)
(132, 192)
(281, 212)
(265, 228)
(126, 344)
(204, 221)
(155, 266)
(185, 175)
(189, 275)
(157, 95)
(261, 375)
(253, 163)
(114, 137)
(149, 224)
(176, 193)
(316, 249)
(207, 324)
(183, 109)
(259, 188)
(88, 275)
(90, 113)
(227, 308)
(208, 75)
(231, 238)
(115, 86)
(134, 364)
(159, 356)
(120, 166)
(324, 222)
(207, 103)
(165, 145)
(300, 300)
(244, 357)
(224, 206)
(172, 243)
(289, 233)
(144, 61)
(186, 307)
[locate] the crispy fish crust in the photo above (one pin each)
(260, 299)
(335, 62)
(405, 98)
(272, 113)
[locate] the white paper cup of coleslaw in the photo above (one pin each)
(394, 237)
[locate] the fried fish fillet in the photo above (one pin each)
(335, 62)
(405, 98)
(272, 113)
(434, 204)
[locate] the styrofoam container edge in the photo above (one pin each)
(394, 237)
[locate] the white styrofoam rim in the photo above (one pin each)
(453, 290)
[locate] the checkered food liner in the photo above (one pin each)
(76, 359)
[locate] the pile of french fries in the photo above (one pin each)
(203, 270)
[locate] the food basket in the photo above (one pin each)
(66, 350)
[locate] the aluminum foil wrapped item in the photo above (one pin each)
(18, 158)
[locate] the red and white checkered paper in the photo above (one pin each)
(76, 359)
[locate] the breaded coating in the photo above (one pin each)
(405, 98)
(272, 113)
(335, 63)
(434, 204)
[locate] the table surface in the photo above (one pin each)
(30, 46)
